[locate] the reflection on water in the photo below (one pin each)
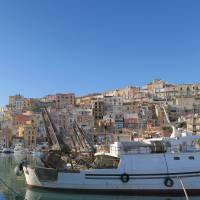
(7, 176)
(46, 195)
(10, 184)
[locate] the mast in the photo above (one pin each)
(55, 138)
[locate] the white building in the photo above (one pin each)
(113, 105)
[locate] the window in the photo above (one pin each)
(176, 158)
(106, 162)
(191, 157)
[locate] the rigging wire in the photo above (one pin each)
(183, 187)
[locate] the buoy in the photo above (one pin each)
(168, 182)
(125, 178)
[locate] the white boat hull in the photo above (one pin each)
(7, 150)
(97, 183)
(147, 175)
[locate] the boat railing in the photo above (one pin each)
(148, 150)
(183, 149)
(125, 151)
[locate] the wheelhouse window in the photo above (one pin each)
(106, 162)
(191, 157)
(176, 158)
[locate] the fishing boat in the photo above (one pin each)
(19, 149)
(7, 150)
(130, 168)
(168, 166)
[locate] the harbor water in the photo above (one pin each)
(14, 188)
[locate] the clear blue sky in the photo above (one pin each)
(49, 46)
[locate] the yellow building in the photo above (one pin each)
(21, 131)
(29, 136)
(28, 132)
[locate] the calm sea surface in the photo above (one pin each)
(14, 188)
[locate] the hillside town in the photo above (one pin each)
(116, 115)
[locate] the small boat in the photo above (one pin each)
(7, 150)
(19, 149)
